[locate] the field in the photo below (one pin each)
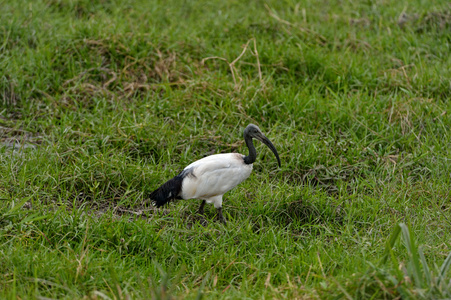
(103, 101)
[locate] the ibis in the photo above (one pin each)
(209, 178)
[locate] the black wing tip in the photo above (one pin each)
(158, 198)
(167, 192)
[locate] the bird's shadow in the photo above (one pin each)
(195, 218)
(302, 212)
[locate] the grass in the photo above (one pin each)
(102, 101)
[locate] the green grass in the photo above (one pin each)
(108, 99)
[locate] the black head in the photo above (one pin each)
(253, 131)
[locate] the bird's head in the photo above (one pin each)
(254, 132)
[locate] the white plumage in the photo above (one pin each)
(211, 177)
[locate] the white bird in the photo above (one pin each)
(211, 177)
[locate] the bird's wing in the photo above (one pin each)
(214, 175)
(215, 162)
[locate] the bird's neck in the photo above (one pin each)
(250, 159)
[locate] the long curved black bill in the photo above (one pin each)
(268, 143)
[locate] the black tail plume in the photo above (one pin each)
(170, 190)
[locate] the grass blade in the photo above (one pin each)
(413, 253)
(199, 293)
(427, 272)
(391, 243)
(444, 269)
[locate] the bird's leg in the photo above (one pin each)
(201, 207)
(220, 216)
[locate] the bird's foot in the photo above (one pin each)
(201, 208)
(221, 217)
